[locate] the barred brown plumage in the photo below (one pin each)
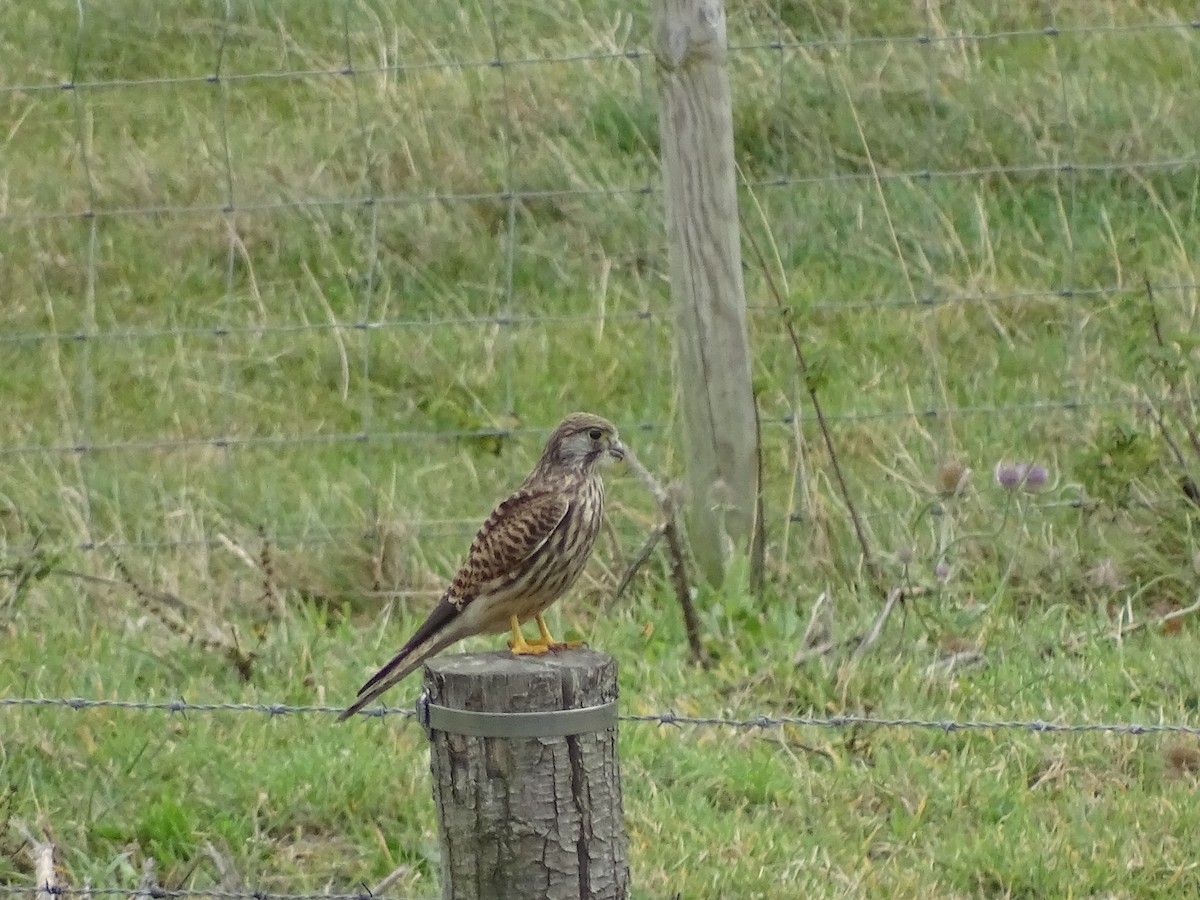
(530, 550)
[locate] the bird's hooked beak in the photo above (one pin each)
(616, 449)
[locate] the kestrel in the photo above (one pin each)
(529, 551)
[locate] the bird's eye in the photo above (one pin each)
(595, 434)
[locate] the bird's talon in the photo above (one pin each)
(527, 648)
(522, 647)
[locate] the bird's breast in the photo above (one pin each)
(554, 566)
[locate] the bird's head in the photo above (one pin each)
(581, 441)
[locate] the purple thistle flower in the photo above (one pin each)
(1009, 475)
(942, 570)
(1029, 476)
(1035, 477)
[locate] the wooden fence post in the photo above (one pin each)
(704, 240)
(523, 751)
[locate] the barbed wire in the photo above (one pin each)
(1038, 726)
(183, 706)
(760, 722)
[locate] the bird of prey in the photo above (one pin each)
(529, 551)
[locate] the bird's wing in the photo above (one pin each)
(512, 533)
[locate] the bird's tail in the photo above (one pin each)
(399, 667)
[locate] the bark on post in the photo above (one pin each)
(711, 342)
(527, 817)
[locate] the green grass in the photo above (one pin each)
(939, 314)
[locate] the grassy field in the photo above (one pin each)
(184, 372)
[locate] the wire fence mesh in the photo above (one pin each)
(169, 149)
(307, 266)
(272, 249)
(271, 243)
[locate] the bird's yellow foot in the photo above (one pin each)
(521, 647)
(546, 640)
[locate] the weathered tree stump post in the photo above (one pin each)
(523, 751)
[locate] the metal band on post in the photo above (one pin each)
(551, 723)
